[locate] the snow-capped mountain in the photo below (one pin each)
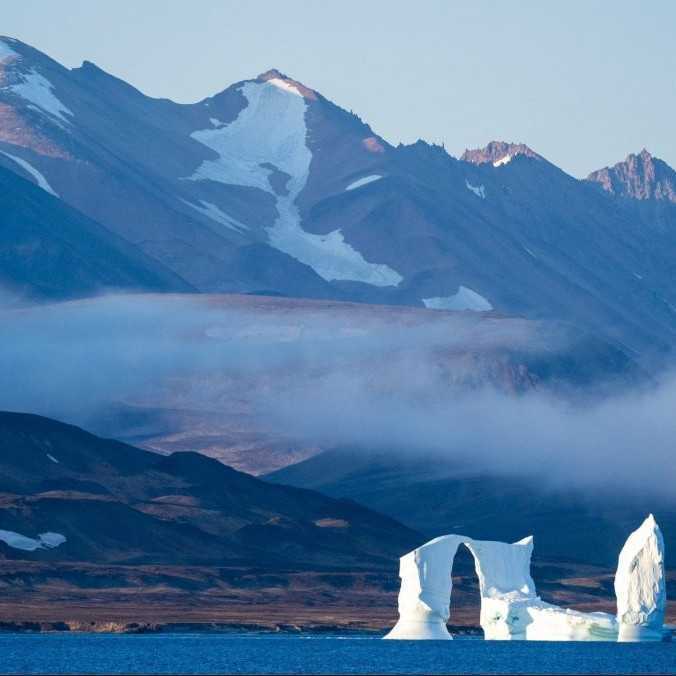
(269, 187)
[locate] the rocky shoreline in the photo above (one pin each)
(203, 627)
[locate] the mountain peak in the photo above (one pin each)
(640, 176)
(498, 152)
(283, 81)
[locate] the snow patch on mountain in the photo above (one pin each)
(38, 90)
(271, 131)
(28, 544)
(6, 52)
(285, 86)
(502, 161)
(215, 214)
(464, 299)
(479, 191)
(39, 178)
(363, 181)
(329, 255)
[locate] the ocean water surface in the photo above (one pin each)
(273, 654)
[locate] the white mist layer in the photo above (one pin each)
(360, 377)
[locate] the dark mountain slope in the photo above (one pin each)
(118, 504)
(50, 250)
(436, 497)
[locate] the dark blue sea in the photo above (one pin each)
(274, 654)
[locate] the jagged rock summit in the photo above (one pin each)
(498, 153)
(640, 176)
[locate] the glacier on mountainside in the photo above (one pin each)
(271, 131)
(510, 606)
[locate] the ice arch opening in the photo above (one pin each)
(426, 582)
(510, 606)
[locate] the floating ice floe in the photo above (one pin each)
(510, 606)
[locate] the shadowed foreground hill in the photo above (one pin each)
(118, 504)
(185, 542)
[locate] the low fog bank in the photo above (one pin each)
(337, 375)
(625, 443)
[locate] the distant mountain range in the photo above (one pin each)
(436, 496)
(269, 187)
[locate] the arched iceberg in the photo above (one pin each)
(510, 606)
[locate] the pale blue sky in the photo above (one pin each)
(582, 82)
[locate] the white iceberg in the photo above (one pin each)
(640, 585)
(510, 606)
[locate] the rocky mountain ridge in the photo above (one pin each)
(269, 187)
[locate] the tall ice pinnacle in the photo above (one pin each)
(640, 584)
